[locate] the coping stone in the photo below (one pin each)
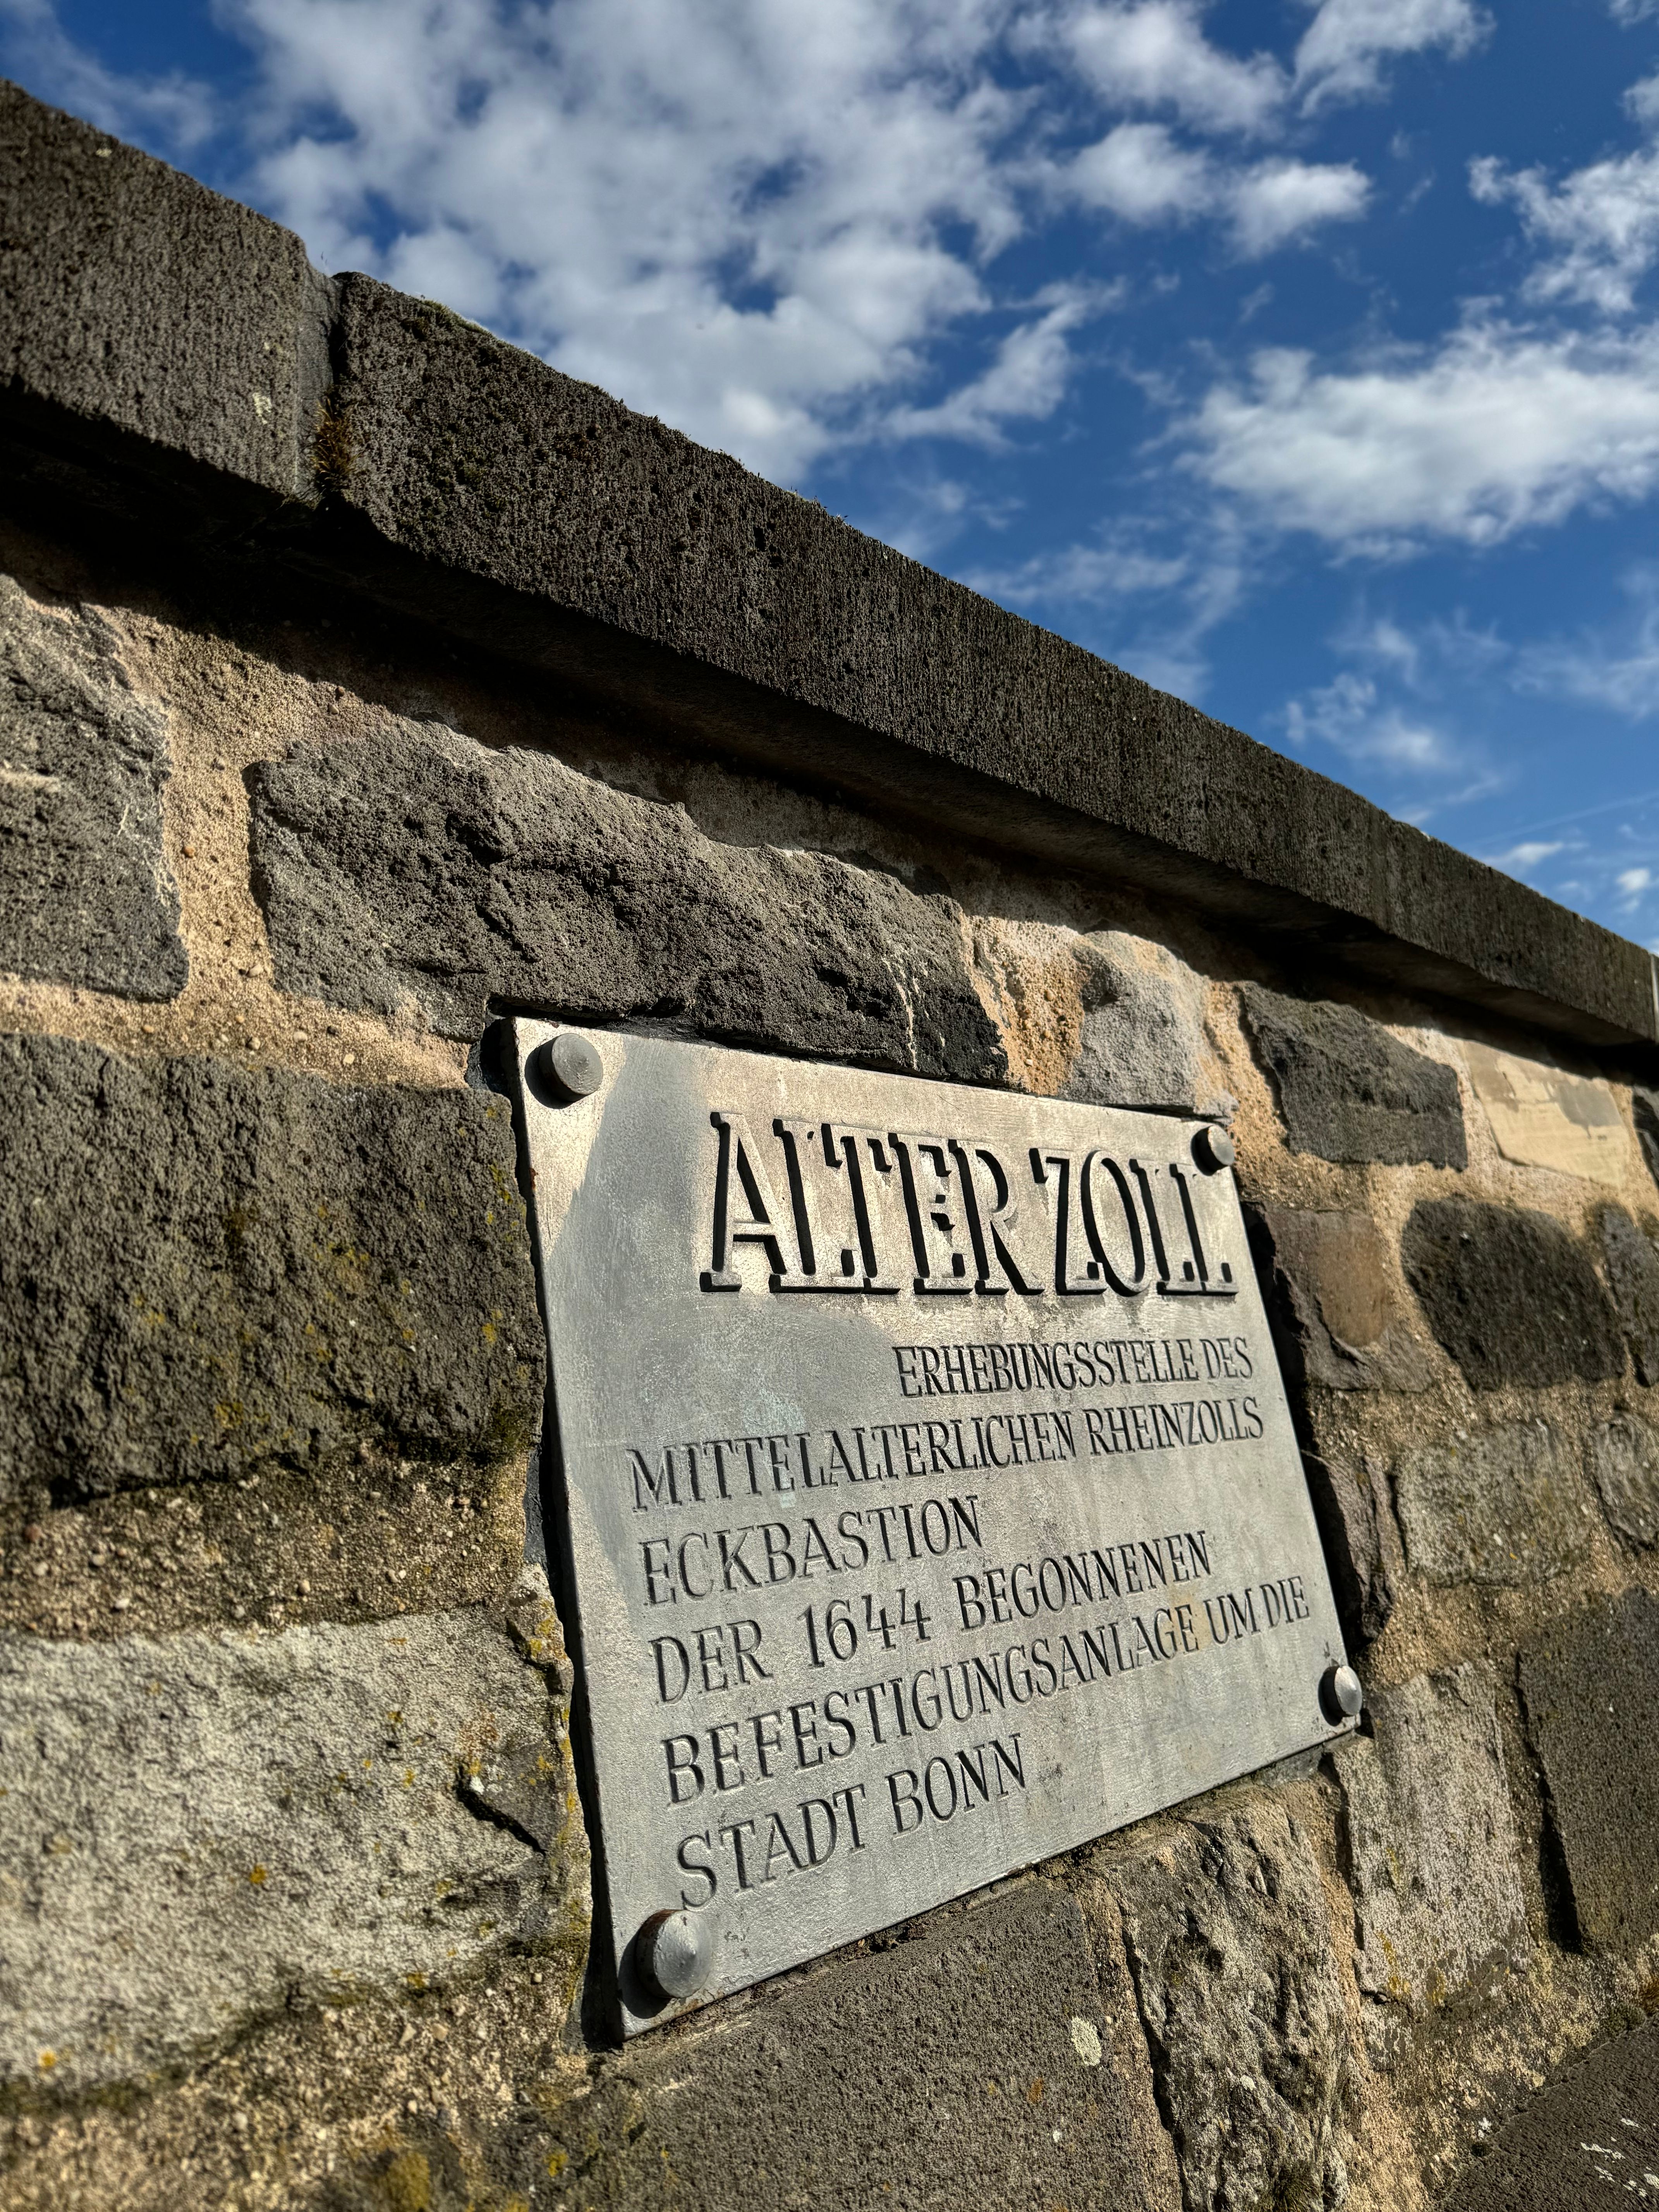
(297, 1266)
(1350, 1092)
(202, 1831)
(1510, 1295)
(87, 895)
(503, 876)
(1433, 1859)
(470, 485)
(138, 302)
(1503, 1507)
(1586, 1684)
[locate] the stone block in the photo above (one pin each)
(1622, 1456)
(1432, 1856)
(1510, 1295)
(201, 1831)
(1330, 1283)
(1585, 1681)
(86, 893)
(1143, 1041)
(1504, 1506)
(138, 301)
(970, 2063)
(1348, 1090)
(1644, 1111)
(1544, 1117)
(1632, 1264)
(1591, 2137)
(1351, 1504)
(505, 876)
(204, 1268)
(1229, 1939)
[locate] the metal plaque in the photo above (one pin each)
(927, 1498)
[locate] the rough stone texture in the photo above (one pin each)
(1504, 1506)
(1351, 1505)
(1329, 1280)
(1545, 1117)
(1587, 1682)
(137, 299)
(1432, 1857)
(1348, 1090)
(1510, 1295)
(1228, 1938)
(1143, 1041)
(1633, 1266)
(1592, 2137)
(86, 893)
(1623, 1459)
(1644, 1106)
(201, 1831)
(201, 1269)
(971, 2064)
(505, 876)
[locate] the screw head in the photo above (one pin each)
(676, 1953)
(569, 1066)
(1213, 1149)
(1342, 1694)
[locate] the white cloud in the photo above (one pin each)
(1155, 55)
(1599, 228)
(1344, 49)
(1632, 882)
(177, 107)
(1632, 11)
(1351, 713)
(1530, 854)
(1278, 201)
(1496, 430)
(1141, 174)
(1616, 667)
(1026, 381)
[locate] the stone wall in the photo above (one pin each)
(362, 681)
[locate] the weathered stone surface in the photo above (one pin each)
(202, 1268)
(1432, 1856)
(1591, 2137)
(86, 893)
(1228, 1938)
(1143, 1040)
(506, 876)
(1633, 1266)
(200, 1832)
(1587, 1682)
(1509, 1294)
(1329, 1280)
(971, 2064)
(1351, 1505)
(139, 300)
(1545, 1117)
(1622, 1456)
(1504, 1505)
(1348, 1090)
(1644, 1106)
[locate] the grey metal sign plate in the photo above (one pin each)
(928, 1498)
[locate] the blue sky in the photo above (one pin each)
(1302, 357)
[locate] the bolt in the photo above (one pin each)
(569, 1066)
(1213, 1149)
(1341, 1693)
(676, 1953)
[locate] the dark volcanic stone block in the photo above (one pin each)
(1586, 1681)
(86, 894)
(1510, 1295)
(1623, 1459)
(1553, 2156)
(201, 1269)
(1632, 1266)
(1348, 1090)
(505, 877)
(961, 2067)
